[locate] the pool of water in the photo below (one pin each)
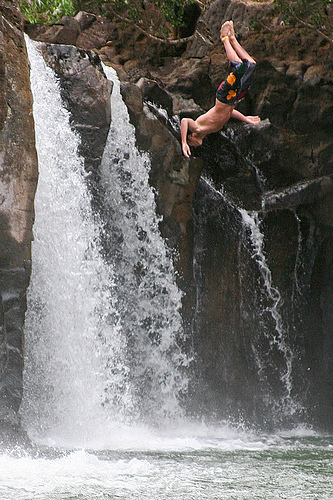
(219, 464)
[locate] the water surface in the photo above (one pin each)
(214, 465)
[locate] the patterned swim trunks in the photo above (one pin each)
(237, 82)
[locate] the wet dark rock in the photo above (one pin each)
(65, 32)
(153, 93)
(86, 93)
(18, 179)
(304, 193)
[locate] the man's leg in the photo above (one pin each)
(241, 53)
(225, 38)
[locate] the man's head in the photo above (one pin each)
(194, 139)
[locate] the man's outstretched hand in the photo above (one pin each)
(252, 120)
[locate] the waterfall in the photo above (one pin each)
(103, 322)
(147, 294)
(259, 314)
(277, 338)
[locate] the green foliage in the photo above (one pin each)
(158, 17)
(150, 12)
(173, 11)
(311, 12)
(46, 11)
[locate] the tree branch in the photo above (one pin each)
(311, 26)
(178, 42)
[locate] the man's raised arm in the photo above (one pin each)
(253, 120)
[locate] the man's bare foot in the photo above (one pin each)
(225, 29)
(231, 28)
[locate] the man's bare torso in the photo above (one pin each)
(214, 119)
(210, 122)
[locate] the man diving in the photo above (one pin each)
(232, 89)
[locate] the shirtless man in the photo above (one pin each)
(231, 90)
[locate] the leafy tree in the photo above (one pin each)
(315, 14)
(158, 17)
(46, 11)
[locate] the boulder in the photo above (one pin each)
(86, 93)
(85, 19)
(314, 75)
(189, 80)
(96, 34)
(65, 32)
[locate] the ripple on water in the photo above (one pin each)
(270, 467)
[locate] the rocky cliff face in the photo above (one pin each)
(18, 179)
(282, 170)
(255, 248)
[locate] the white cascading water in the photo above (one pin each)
(276, 339)
(147, 295)
(88, 317)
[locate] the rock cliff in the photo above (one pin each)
(18, 179)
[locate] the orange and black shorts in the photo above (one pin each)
(237, 82)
